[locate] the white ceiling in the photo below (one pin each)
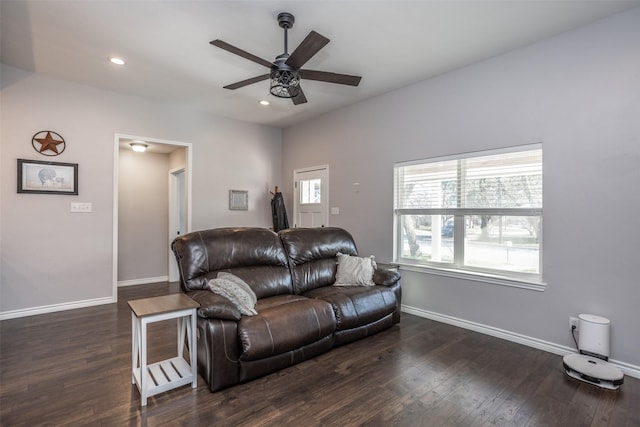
(391, 44)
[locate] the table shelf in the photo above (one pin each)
(165, 375)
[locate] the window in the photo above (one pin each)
(478, 213)
(310, 191)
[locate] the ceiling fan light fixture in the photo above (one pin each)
(285, 83)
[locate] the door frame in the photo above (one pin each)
(116, 151)
(296, 194)
(174, 221)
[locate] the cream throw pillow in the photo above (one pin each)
(235, 290)
(355, 271)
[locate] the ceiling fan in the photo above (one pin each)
(286, 70)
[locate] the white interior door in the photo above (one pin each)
(311, 197)
(177, 217)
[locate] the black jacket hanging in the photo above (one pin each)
(279, 213)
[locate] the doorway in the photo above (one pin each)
(311, 197)
(159, 210)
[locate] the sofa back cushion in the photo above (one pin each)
(255, 255)
(312, 255)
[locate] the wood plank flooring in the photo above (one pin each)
(73, 368)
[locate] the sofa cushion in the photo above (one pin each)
(356, 306)
(312, 255)
(255, 255)
(284, 323)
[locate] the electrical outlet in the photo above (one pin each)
(573, 323)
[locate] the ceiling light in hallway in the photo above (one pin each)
(139, 147)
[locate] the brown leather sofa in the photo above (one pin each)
(300, 313)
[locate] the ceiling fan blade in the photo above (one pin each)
(247, 82)
(300, 99)
(325, 76)
(305, 50)
(237, 51)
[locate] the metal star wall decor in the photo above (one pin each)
(48, 141)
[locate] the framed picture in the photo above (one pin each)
(40, 177)
(238, 200)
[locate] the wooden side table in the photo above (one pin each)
(171, 373)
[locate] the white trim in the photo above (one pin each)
(465, 155)
(561, 350)
(114, 237)
(33, 311)
(143, 281)
(475, 277)
(174, 219)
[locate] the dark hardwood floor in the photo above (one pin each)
(73, 368)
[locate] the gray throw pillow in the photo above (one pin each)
(355, 271)
(235, 290)
(241, 283)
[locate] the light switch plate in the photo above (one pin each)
(81, 207)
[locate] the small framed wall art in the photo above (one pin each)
(40, 177)
(238, 200)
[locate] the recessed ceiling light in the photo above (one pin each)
(116, 60)
(264, 102)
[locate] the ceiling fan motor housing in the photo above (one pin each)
(285, 80)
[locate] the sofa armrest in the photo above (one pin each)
(390, 277)
(386, 276)
(214, 306)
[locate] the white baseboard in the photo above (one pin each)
(32, 311)
(626, 368)
(144, 281)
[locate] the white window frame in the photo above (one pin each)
(457, 268)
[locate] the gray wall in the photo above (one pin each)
(54, 259)
(143, 215)
(578, 94)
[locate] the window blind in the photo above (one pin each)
(489, 181)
